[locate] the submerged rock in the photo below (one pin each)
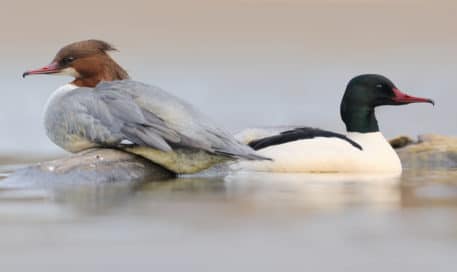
(91, 166)
(429, 151)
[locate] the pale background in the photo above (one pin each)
(244, 62)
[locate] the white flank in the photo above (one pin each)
(329, 155)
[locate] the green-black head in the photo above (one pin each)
(366, 92)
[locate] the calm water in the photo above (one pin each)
(249, 222)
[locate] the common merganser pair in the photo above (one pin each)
(102, 107)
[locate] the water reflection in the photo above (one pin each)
(316, 191)
(276, 216)
(94, 199)
(250, 193)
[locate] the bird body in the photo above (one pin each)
(356, 153)
(102, 107)
(362, 149)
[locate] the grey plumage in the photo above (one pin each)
(148, 117)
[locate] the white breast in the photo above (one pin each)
(61, 91)
(54, 98)
(323, 154)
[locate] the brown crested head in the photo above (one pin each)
(87, 61)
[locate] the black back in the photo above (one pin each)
(298, 134)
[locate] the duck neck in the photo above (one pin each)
(101, 68)
(361, 120)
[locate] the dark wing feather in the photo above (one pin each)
(298, 134)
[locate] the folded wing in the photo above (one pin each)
(130, 111)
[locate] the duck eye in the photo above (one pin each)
(380, 86)
(67, 60)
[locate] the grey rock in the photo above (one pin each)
(92, 166)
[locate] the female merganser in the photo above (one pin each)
(362, 149)
(101, 107)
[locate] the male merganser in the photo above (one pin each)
(102, 107)
(362, 149)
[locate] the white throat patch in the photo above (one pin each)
(68, 72)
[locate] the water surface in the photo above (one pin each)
(244, 221)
